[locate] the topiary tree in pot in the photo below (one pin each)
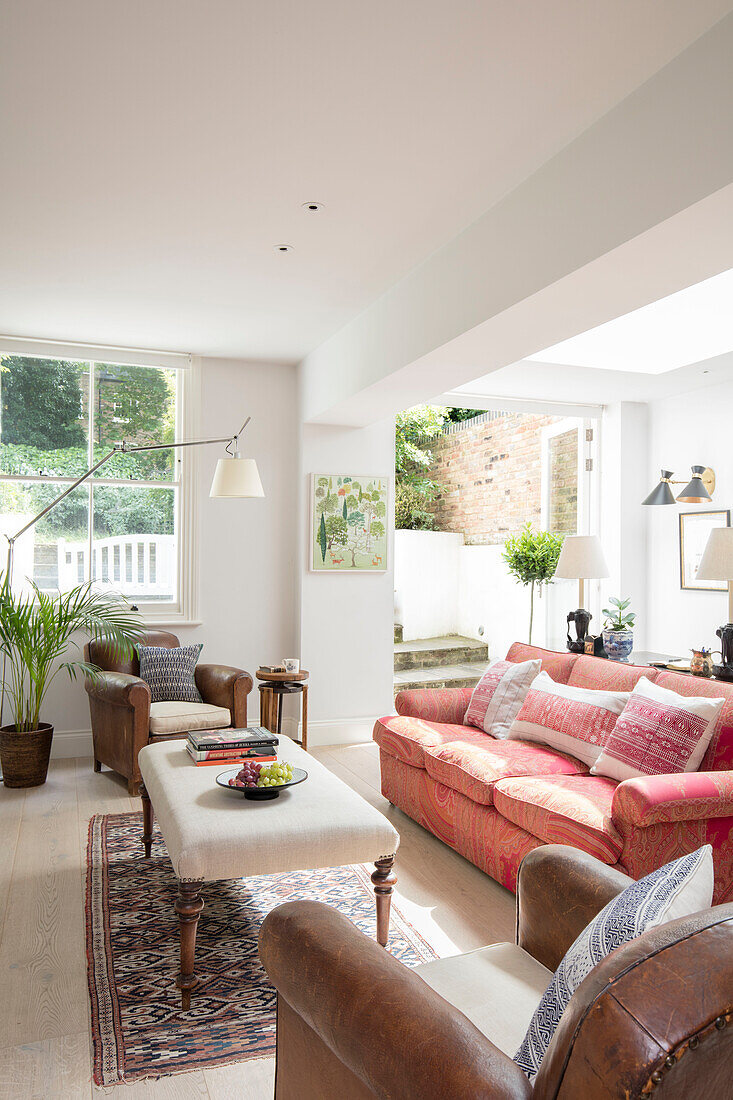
(36, 631)
(531, 558)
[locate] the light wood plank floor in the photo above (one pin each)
(45, 1049)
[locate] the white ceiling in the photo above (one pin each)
(686, 327)
(155, 152)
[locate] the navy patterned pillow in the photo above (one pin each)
(679, 888)
(169, 672)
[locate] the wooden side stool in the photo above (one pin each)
(273, 686)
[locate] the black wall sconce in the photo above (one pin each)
(698, 490)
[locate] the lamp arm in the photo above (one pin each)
(119, 448)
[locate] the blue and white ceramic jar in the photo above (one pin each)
(618, 644)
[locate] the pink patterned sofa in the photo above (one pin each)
(495, 800)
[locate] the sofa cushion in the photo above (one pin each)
(719, 756)
(498, 988)
(563, 809)
(659, 732)
(169, 672)
(173, 717)
(596, 673)
(499, 694)
(556, 665)
(676, 890)
(570, 719)
(474, 769)
(406, 738)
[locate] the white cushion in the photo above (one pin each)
(498, 988)
(678, 889)
(499, 694)
(660, 732)
(181, 717)
(571, 719)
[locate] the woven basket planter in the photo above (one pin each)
(24, 756)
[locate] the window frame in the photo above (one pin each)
(183, 609)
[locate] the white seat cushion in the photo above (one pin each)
(180, 717)
(498, 988)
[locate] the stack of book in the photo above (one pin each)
(207, 747)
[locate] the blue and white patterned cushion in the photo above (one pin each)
(682, 887)
(169, 672)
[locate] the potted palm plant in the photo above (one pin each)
(36, 630)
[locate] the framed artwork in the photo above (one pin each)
(695, 528)
(348, 523)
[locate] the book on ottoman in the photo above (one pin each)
(253, 737)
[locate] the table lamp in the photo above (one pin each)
(581, 559)
(717, 565)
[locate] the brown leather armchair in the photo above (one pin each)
(119, 703)
(654, 1018)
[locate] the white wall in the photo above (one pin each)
(247, 600)
(345, 619)
(448, 588)
(625, 452)
(426, 579)
(692, 428)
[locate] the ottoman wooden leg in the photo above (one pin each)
(147, 821)
(384, 880)
(189, 904)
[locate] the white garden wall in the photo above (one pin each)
(444, 587)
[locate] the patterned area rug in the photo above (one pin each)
(138, 1027)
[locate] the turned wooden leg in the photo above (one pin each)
(189, 904)
(147, 821)
(304, 725)
(384, 880)
(97, 765)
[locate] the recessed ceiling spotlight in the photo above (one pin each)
(283, 248)
(312, 207)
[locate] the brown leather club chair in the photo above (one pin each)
(653, 1019)
(123, 719)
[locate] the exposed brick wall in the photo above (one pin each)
(491, 478)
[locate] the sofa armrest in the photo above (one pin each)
(378, 1017)
(224, 686)
(119, 689)
(686, 796)
(559, 891)
(434, 704)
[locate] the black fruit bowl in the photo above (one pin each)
(259, 794)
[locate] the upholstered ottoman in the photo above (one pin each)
(213, 834)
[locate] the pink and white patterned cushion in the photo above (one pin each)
(575, 720)
(659, 732)
(499, 694)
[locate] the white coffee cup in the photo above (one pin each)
(291, 664)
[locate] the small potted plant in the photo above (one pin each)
(618, 634)
(36, 630)
(531, 558)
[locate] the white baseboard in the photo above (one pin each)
(339, 731)
(68, 743)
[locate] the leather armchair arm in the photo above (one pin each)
(119, 689)
(434, 704)
(689, 796)
(559, 891)
(224, 686)
(381, 1021)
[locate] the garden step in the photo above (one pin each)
(397, 633)
(450, 676)
(452, 649)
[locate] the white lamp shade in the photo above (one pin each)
(716, 563)
(236, 477)
(581, 558)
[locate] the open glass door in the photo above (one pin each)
(569, 504)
